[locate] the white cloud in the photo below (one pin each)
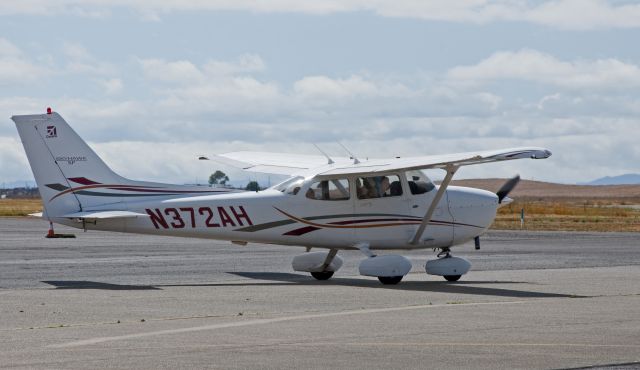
(217, 106)
(180, 72)
(18, 71)
(7, 49)
(15, 166)
(535, 66)
(15, 68)
(585, 14)
(215, 86)
(324, 87)
(19, 68)
(246, 63)
(80, 61)
(76, 52)
(183, 72)
(112, 86)
(564, 14)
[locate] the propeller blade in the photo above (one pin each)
(507, 187)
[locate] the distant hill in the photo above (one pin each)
(538, 190)
(627, 179)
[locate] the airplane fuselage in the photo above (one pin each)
(272, 216)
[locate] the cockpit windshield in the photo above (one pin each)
(419, 182)
(290, 186)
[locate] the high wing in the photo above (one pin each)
(276, 163)
(290, 164)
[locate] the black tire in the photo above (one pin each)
(390, 280)
(322, 275)
(452, 277)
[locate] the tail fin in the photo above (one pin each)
(70, 175)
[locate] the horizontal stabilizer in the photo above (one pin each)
(275, 163)
(103, 215)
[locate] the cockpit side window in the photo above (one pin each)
(419, 183)
(378, 187)
(335, 189)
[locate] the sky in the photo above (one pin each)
(151, 84)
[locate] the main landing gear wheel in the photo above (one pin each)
(322, 275)
(452, 277)
(390, 280)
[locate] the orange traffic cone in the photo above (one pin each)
(50, 234)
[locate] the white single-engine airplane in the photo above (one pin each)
(332, 204)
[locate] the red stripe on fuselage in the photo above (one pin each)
(132, 188)
(83, 181)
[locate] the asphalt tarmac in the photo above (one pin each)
(108, 300)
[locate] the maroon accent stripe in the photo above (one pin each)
(402, 221)
(133, 188)
(308, 229)
(302, 231)
(137, 186)
(453, 223)
(123, 188)
(83, 181)
(349, 222)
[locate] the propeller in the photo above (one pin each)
(506, 188)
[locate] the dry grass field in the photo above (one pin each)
(550, 206)
(19, 207)
(569, 216)
(547, 206)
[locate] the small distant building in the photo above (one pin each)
(26, 192)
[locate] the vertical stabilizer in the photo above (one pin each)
(61, 160)
(72, 178)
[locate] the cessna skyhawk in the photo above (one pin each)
(375, 206)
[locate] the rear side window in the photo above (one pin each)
(290, 186)
(378, 187)
(337, 189)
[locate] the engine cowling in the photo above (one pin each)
(313, 261)
(389, 265)
(448, 266)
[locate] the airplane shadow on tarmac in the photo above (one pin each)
(284, 279)
(460, 287)
(83, 284)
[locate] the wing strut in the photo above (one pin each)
(451, 170)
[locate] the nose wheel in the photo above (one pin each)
(390, 280)
(449, 267)
(446, 253)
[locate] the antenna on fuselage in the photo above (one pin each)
(351, 155)
(329, 160)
